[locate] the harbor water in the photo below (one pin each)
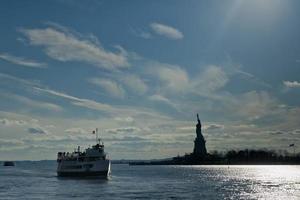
(38, 180)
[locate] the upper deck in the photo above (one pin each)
(96, 152)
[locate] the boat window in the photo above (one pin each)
(88, 166)
(72, 167)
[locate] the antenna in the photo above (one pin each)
(96, 135)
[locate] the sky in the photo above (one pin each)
(140, 71)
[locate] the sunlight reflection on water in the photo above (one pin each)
(277, 182)
(255, 181)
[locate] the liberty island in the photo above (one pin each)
(199, 156)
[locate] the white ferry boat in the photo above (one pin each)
(91, 162)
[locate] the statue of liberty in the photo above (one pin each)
(199, 143)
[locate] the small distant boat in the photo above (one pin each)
(8, 163)
(91, 162)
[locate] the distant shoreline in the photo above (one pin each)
(241, 157)
(151, 162)
(216, 164)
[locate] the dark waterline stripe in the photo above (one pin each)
(82, 174)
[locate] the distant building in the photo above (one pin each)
(199, 143)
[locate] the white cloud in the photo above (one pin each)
(9, 122)
(22, 61)
(174, 78)
(160, 98)
(211, 79)
(213, 127)
(10, 142)
(292, 84)
(124, 119)
(110, 86)
(93, 105)
(61, 44)
(134, 83)
(252, 105)
(55, 93)
(187, 128)
(167, 31)
(123, 130)
(76, 131)
(16, 124)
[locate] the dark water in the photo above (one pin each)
(37, 180)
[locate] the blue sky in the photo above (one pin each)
(141, 70)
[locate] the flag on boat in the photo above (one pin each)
(94, 132)
(291, 145)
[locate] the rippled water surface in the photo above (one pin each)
(38, 180)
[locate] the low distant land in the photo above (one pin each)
(233, 157)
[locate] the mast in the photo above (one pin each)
(97, 137)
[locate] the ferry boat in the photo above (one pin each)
(90, 162)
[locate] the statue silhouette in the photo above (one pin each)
(199, 143)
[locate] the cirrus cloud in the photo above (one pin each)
(110, 86)
(123, 130)
(134, 83)
(60, 44)
(22, 61)
(167, 31)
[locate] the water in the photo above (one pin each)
(38, 180)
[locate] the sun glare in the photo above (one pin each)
(264, 9)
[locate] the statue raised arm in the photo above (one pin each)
(198, 119)
(199, 123)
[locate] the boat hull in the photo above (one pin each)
(100, 168)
